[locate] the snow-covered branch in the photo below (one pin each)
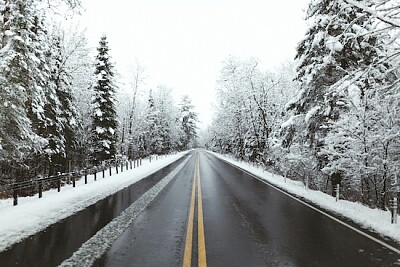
(374, 13)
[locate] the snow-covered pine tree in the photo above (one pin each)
(188, 123)
(104, 117)
(22, 95)
(161, 127)
(364, 144)
(344, 68)
(334, 48)
(50, 126)
(169, 117)
(153, 132)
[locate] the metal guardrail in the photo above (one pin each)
(39, 184)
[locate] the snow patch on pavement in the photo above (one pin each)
(33, 215)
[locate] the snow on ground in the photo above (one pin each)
(33, 215)
(374, 219)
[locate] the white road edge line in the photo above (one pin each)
(314, 208)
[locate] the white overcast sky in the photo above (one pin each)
(182, 43)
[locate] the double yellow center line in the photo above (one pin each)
(201, 246)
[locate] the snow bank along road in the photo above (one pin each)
(205, 211)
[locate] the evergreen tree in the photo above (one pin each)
(104, 115)
(22, 70)
(345, 69)
(49, 126)
(188, 123)
(336, 48)
(161, 127)
(154, 136)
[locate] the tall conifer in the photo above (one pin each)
(104, 115)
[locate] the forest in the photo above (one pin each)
(63, 106)
(330, 117)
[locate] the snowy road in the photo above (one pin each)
(237, 220)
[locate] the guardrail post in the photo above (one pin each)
(15, 196)
(337, 189)
(73, 179)
(393, 210)
(394, 183)
(59, 184)
(95, 173)
(40, 189)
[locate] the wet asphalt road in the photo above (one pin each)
(59, 241)
(246, 223)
